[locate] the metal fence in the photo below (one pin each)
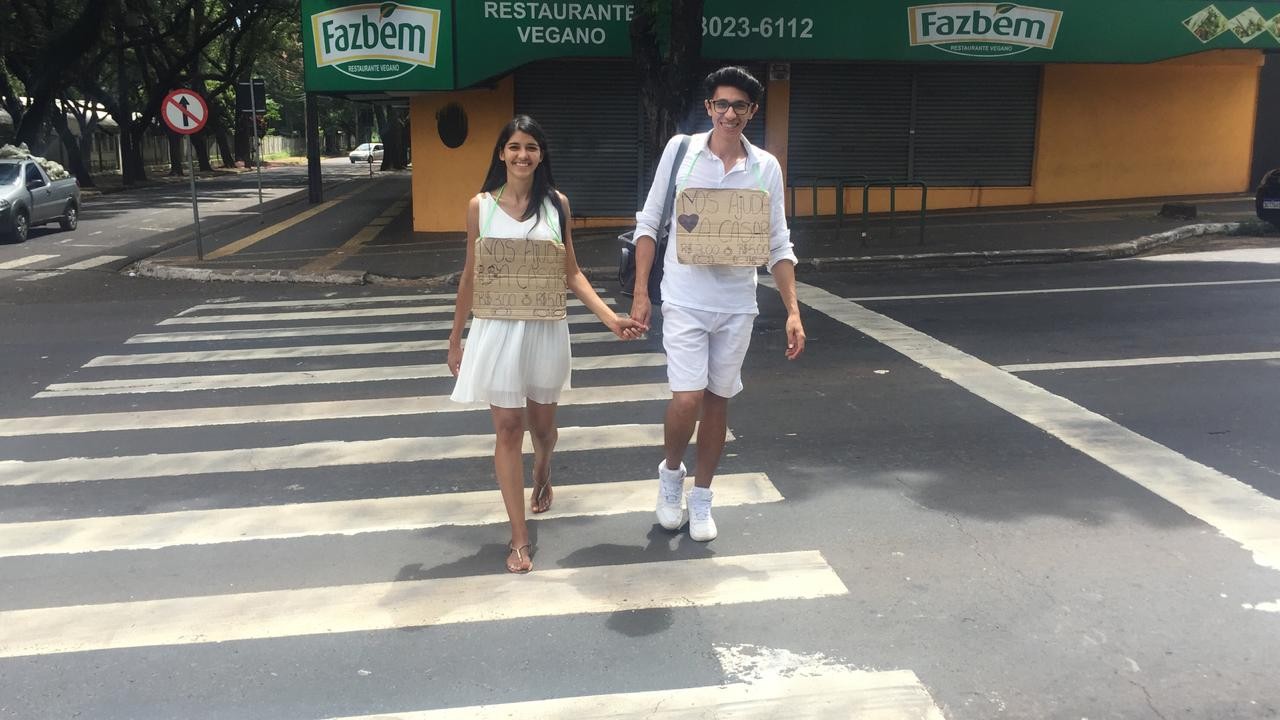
(104, 155)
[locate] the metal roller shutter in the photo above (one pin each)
(944, 124)
(590, 112)
(976, 124)
(849, 120)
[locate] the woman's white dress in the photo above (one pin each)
(505, 362)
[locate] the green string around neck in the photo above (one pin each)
(546, 217)
(693, 162)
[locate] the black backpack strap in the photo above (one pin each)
(669, 204)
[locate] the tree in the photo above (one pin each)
(393, 128)
(45, 47)
(266, 49)
(666, 41)
(158, 46)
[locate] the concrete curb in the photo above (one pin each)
(161, 271)
(1113, 251)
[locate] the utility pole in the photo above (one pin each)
(315, 190)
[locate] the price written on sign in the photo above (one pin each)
(519, 279)
(722, 227)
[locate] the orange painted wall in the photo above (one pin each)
(1181, 127)
(444, 179)
(777, 120)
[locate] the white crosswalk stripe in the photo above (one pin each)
(25, 261)
(313, 331)
(829, 694)
(323, 302)
(171, 530)
(343, 517)
(385, 606)
(332, 453)
(302, 351)
(192, 383)
(298, 412)
(38, 275)
(332, 302)
(93, 262)
(435, 309)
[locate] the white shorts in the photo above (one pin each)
(705, 349)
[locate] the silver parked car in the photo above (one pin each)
(28, 198)
(367, 152)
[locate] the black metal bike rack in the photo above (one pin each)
(836, 181)
(893, 186)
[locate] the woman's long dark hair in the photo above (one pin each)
(544, 185)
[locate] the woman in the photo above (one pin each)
(519, 367)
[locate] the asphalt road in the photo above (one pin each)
(117, 228)
(963, 526)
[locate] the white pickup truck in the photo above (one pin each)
(28, 197)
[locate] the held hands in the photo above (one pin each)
(795, 337)
(626, 328)
(455, 357)
(641, 309)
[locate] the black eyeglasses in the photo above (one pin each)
(741, 107)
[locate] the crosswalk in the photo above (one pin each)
(275, 425)
(49, 269)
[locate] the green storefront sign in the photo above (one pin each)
(1119, 31)
(377, 47)
(423, 45)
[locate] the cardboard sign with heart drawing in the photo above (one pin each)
(519, 279)
(722, 227)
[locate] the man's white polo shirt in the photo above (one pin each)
(716, 289)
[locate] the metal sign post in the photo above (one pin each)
(257, 143)
(185, 112)
(195, 204)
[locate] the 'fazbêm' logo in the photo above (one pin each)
(377, 41)
(984, 29)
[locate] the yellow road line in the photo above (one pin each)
(265, 233)
(360, 239)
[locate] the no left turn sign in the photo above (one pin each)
(184, 112)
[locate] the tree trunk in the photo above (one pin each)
(406, 140)
(669, 67)
(72, 144)
(224, 147)
(134, 170)
(391, 126)
(175, 154)
(244, 138)
(379, 120)
(31, 129)
(87, 142)
(202, 150)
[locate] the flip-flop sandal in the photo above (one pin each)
(523, 557)
(541, 491)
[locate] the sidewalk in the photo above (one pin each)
(363, 232)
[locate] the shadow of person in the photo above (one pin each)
(658, 548)
(489, 558)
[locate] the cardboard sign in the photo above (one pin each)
(519, 279)
(722, 227)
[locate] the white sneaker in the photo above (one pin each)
(670, 488)
(701, 527)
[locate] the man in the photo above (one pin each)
(708, 310)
